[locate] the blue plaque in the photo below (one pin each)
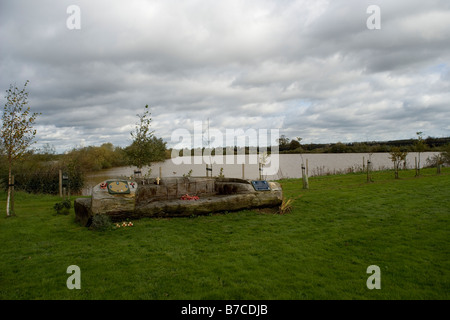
(260, 185)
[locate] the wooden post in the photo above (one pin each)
(243, 172)
(369, 179)
(60, 184)
(259, 169)
(438, 165)
(396, 164)
(208, 169)
(417, 172)
(304, 178)
(364, 165)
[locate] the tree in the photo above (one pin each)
(339, 148)
(3, 164)
(304, 168)
(397, 156)
(17, 132)
(145, 148)
(419, 146)
(283, 143)
(437, 161)
(446, 154)
(294, 144)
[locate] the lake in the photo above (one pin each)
(289, 166)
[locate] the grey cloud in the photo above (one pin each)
(309, 68)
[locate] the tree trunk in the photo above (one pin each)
(418, 166)
(8, 200)
(438, 164)
(396, 165)
(60, 183)
(12, 196)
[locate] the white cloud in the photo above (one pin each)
(431, 26)
(310, 68)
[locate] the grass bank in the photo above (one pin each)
(320, 250)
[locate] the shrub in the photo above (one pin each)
(397, 156)
(34, 176)
(435, 161)
(285, 206)
(63, 207)
(101, 222)
(446, 154)
(187, 175)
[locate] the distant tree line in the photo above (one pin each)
(286, 146)
(429, 144)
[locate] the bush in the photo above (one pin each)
(63, 207)
(35, 176)
(434, 161)
(446, 154)
(285, 206)
(88, 159)
(101, 222)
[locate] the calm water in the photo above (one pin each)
(289, 166)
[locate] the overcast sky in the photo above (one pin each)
(311, 69)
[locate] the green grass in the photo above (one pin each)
(320, 250)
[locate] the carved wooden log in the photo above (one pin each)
(153, 200)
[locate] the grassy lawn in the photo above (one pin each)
(320, 250)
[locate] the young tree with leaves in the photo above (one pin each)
(17, 132)
(446, 155)
(419, 147)
(145, 148)
(397, 157)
